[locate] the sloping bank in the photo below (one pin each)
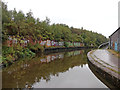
(31, 53)
(104, 63)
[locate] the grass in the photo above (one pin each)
(114, 53)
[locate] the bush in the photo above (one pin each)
(13, 53)
(66, 44)
(7, 50)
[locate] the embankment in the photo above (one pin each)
(104, 70)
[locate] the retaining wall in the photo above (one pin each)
(103, 72)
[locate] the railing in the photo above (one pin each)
(103, 45)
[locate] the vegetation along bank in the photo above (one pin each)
(23, 33)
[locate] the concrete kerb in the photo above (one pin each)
(105, 69)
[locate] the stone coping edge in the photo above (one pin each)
(113, 77)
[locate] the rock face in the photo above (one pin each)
(106, 64)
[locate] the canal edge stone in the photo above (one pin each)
(104, 71)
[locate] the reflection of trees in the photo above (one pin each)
(34, 69)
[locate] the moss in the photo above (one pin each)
(113, 70)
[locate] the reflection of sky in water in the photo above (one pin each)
(60, 70)
(75, 77)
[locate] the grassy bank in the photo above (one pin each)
(114, 53)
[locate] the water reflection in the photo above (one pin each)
(26, 73)
(75, 77)
(49, 58)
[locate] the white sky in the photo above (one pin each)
(97, 15)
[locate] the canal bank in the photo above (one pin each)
(106, 64)
(45, 51)
(64, 49)
(59, 49)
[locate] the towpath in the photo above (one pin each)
(106, 61)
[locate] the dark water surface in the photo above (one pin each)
(58, 70)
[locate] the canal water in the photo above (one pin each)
(56, 70)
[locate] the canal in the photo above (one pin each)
(55, 70)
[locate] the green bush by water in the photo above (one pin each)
(10, 54)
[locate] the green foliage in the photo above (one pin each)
(10, 54)
(7, 50)
(66, 44)
(0, 59)
(18, 24)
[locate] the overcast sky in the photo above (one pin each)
(97, 15)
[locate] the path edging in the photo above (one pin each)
(103, 70)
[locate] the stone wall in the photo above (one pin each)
(115, 40)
